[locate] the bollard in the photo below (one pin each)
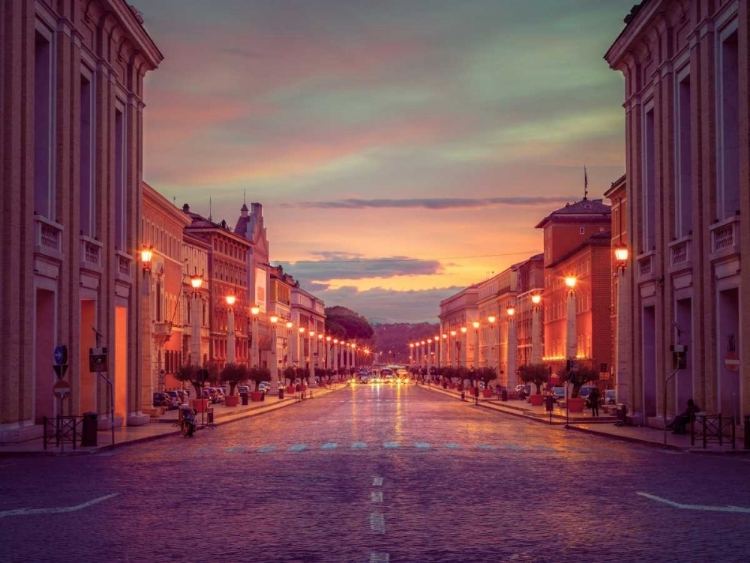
(746, 429)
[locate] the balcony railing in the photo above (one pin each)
(646, 266)
(680, 254)
(725, 238)
(124, 265)
(47, 237)
(91, 253)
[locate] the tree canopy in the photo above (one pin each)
(345, 323)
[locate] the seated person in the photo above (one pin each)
(680, 422)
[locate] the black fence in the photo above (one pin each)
(713, 428)
(62, 430)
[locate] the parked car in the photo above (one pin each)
(610, 397)
(559, 393)
(385, 372)
(243, 390)
(162, 400)
(221, 394)
(264, 387)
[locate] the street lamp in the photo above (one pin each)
(475, 359)
(274, 359)
(512, 351)
(536, 329)
(196, 282)
(452, 352)
(571, 344)
(318, 359)
(491, 319)
(147, 253)
(621, 257)
(311, 367)
(462, 349)
(231, 346)
(300, 346)
(328, 353)
(444, 349)
(254, 311)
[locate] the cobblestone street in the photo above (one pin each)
(377, 473)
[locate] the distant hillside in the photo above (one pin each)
(392, 340)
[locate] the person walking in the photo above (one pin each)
(594, 402)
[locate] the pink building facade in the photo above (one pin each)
(71, 118)
(687, 77)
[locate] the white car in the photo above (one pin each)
(264, 386)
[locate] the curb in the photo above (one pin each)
(89, 451)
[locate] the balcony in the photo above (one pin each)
(646, 266)
(124, 265)
(161, 332)
(48, 237)
(725, 238)
(91, 254)
(681, 254)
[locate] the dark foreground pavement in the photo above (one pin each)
(377, 474)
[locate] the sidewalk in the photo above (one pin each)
(164, 425)
(602, 425)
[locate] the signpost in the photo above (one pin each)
(732, 361)
(61, 389)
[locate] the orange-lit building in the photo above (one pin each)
(687, 132)
(72, 115)
(163, 315)
(577, 250)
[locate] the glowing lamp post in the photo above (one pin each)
(274, 355)
(491, 320)
(231, 345)
(463, 357)
(571, 344)
(475, 359)
(512, 352)
(196, 282)
(536, 329)
(622, 384)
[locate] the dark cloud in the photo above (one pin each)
(381, 305)
(345, 266)
(434, 203)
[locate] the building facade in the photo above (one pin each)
(71, 139)
(620, 292)
(686, 67)
(576, 298)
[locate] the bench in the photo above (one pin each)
(712, 428)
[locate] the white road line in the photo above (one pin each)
(60, 510)
(376, 496)
(377, 523)
(703, 507)
(377, 482)
(379, 558)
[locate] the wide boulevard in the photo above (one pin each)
(377, 473)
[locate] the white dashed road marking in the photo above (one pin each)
(390, 445)
(703, 507)
(377, 523)
(376, 496)
(60, 510)
(359, 445)
(379, 558)
(377, 482)
(329, 446)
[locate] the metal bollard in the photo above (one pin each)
(746, 429)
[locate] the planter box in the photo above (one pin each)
(291, 389)
(231, 400)
(575, 405)
(256, 396)
(200, 405)
(487, 393)
(536, 400)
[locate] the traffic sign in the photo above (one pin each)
(61, 354)
(60, 370)
(61, 389)
(732, 361)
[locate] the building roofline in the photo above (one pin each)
(599, 239)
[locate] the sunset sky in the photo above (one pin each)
(401, 150)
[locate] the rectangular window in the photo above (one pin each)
(87, 201)
(729, 136)
(648, 241)
(44, 203)
(120, 179)
(683, 197)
